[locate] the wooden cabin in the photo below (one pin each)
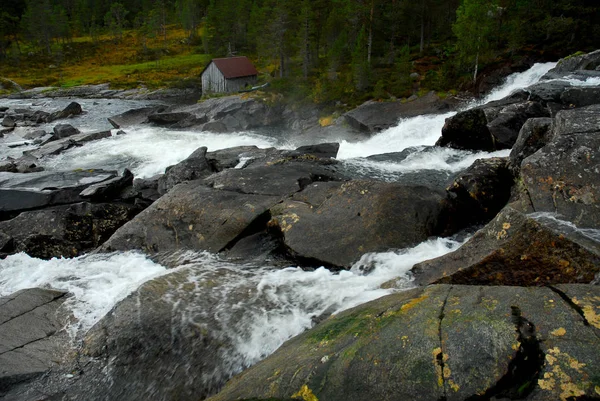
(226, 75)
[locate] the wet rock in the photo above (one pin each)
(372, 117)
(589, 61)
(19, 192)
(108, 189)
(515, 249)
(334, 223)
(481, 191)
(72, 109)
(64, 131)
(31, 337)
(580, 97)
(35, 134)
(135, 116)
(491, 127)
(192, 216)
(57, 146)
(194, 167)
(535, 133)
(321, 150)
(220, 160)
(169, 119)
(418, 345)
(562, 177)
(66, 231)
(9, 122)
(215, 126)
(147, 188)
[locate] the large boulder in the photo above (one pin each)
(194, 167)
(32, 341)
(535, 133)
(65, 231)
(588, 61)
(20, 192)
(531, 343)
(72, 109)
(562, 176)
(515, 249)
(491, 127)
(64, 131)
(134, 116)
(372, 117)
(55, 146)
(335, 223)
(481, 191)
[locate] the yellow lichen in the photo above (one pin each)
(506, 226)
(415, 301)
(305, 394)
(546, 384)
(551, 360)
(453, 385)
(559, 332)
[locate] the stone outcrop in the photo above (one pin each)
(531, 343)
(31, 338)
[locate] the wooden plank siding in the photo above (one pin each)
(213, 81)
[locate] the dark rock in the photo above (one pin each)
(562, 176)
(467, 130)
(589, 61)
(64, 131)
(192, 216)
(373, 116)
(19, 192)
(193, 168)
(6, 243)
(31, 337)
(514, 249)
(534, 134)
(57, 146)
(121, 132)
(9, 122)
(220, 160)
(322, 150)
(215, 126)
(39, 116)
(109, 189)
(72, 109)
(491, 127)
(481, 191)
(35, 134)
(580, 97)
(135, 117)
(66, 231)
(169, 119)
(335, 223)
(423, 344)
(147, 188)
(547, 92)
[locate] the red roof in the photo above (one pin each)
(235, 67)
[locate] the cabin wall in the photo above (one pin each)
(213, 81)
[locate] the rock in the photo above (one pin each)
(19, 192)
(193, 168)
(57, 146)
(215, 126)
(147, 188)
(121, 132)
(491, 127)
(580, 97)
(335, 223)
(589, 61)
(72, 109)
(419, 345)
(192, 217)
(170, 119)
(9, 122)
(108, 189)
(135, 116)
(31, 337)
(39, 133)
(515, 249)
(220, 160)
(535, 133)
(481, 191)
(64, 131)
(321, 150)
(66, 231)
(562, 176)
(372, 117)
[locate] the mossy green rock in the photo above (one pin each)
(440, 342)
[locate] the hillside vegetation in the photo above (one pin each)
(321, 51)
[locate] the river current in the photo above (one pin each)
(295, 296)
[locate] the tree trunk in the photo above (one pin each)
(422, 46)
(370, 41)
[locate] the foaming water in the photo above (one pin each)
(426, 129)
(96, 282)
(148, 151)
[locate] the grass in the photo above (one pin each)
(131, 62)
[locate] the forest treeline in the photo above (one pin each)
(362, 46)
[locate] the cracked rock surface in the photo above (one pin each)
(443, 342)
(30, 335)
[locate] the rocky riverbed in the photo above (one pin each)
(511, 314)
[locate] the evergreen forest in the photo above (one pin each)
(311, 50)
